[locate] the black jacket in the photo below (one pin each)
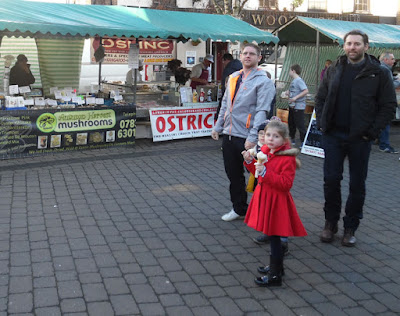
(20, 77)
(373, 100)
(231, 67)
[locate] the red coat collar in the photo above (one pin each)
(266, 150)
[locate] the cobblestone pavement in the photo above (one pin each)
(137, 231)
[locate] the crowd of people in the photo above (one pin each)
(355, 103)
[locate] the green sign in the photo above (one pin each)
(75, 121)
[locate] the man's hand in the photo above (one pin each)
(248, 145)
(214, 135)
(246, 156)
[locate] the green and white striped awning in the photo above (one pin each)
(303, 30)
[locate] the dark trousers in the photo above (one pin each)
(337, 146)
(296, 120)
(233, 161)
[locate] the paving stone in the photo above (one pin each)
(151, 309)
(143, 293)
(45, 297)
(94, 292)
(20, 303)
(69, 289)
(20, 284)
(124, 305)
(48, 311)
(171, 300)
(100, 309)
(115, 286)
(73, 305)
(225, 306)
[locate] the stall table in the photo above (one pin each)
(31, 132)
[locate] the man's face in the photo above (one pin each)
(207, 63)
(389, 61)
(225, 62)
(249, 57)
(355, 48)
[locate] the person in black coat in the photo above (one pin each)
(230, 66)
(354, 102)
(21, 74)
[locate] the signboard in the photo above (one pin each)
(133, 56)
(272, 19)
(313, 141)
(151, 51)
(33, 132)
(182, 122)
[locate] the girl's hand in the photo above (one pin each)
(259, 167)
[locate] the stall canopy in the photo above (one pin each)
(302, 29)
(42, 19)
(300, 37)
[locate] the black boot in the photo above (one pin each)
(266, 269)
(328, 234)
(274, 276)
(348, 238)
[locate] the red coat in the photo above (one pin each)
(272, 210)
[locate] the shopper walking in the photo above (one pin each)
(387, 60)
(297, 104)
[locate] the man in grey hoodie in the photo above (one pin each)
(245, 105)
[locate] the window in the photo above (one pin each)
(269, 4)
(361, 6)
(316, 5)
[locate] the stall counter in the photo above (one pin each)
(32, 132)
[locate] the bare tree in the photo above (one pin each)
(228, 7)
(296, 4)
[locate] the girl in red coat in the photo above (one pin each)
(272, 210)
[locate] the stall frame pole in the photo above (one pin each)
(276, 58)
(317, 62)
(101, 44)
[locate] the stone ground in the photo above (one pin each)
(127, 231)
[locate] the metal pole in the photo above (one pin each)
(276, 58)
(135, 86)
(100, 66)
(317, 63)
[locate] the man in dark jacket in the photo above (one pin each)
(230, 66)
(21, 74)
(354, 102)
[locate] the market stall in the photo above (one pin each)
(311, 41)
(61, 118)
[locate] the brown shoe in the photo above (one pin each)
(348, 238)
(329, 232)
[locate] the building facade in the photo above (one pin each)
(270, 14)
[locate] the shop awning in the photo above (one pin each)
(302, 29)
(42, 19)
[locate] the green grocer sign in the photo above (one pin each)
(75, 121)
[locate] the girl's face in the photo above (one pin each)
(261, 137)
(273, 139)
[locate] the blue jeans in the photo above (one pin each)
(338, 146)
(384, 138)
